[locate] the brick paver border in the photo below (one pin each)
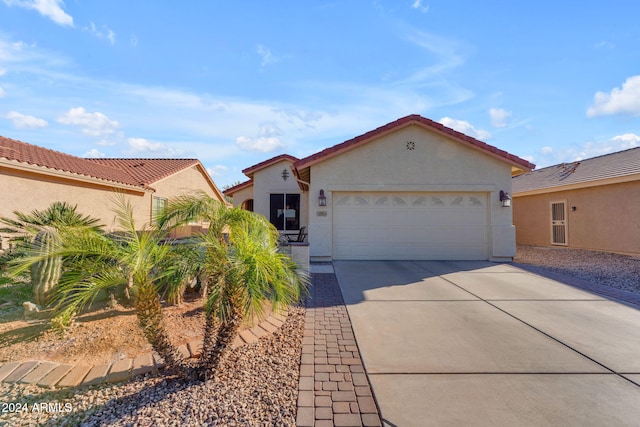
(333, 387)
(51, 374)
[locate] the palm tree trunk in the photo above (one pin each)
(214, 353)
(151, 320)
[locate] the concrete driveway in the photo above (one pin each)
(478, 343)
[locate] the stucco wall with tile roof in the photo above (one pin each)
(31, 178)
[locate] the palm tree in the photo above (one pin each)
(96, 261)
(38, 230)
(242, 264)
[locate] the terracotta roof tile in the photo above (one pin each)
(229, 191)
(406, 121)
(147, 171)
(136, 172)
(23, 152)
(252, 169)
(614, 165)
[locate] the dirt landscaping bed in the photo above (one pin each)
(99, 336)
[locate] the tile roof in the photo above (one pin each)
(134, 172)
(23, 152)
(229, 191)
(583, 172)
(147, 171)
(407, 121)
(252, 169)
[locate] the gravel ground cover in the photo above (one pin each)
(614, 270)
(257, 386)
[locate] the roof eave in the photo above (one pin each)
(451, 134)
(265, 164)
(232, 190)
(43, 170)
(578, 185)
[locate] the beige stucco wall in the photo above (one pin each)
(241, 196)
(269, 181)
(185, 181)
(436, 164)
(27, 191)
(606, 218)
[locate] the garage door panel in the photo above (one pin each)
(410, 226)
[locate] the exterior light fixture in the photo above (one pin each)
(322, 199)
(505, 199)
(285, 174)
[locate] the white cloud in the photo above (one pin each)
(550, 156)
(417, 4)
(266, 55)
(23, 121)
(93, 124)
(618, 101)
(141, 147)
(105, 33)
(627, 140)
(1, 92)
(217, 170)
(447, 54)
(465, 127)
(94, 153)
(262, 145)
(51, 9)
(134, 41)
(499, 117)
(3, 71)
(267, 139)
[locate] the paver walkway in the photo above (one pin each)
(334, 389)
(51, 374)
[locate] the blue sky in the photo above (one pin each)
(234, 83)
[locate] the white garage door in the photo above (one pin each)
(438, 226)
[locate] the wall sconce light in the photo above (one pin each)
(322, 199)
(505, 199)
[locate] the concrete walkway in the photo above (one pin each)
(478, 343)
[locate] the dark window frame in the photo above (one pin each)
(284, 211)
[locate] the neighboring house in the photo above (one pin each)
(588, 204)
(33, 177)
(412, 189)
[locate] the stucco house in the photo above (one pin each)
(411, 189)
(33, 177)
(588, 204)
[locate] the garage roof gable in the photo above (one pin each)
(414, 119)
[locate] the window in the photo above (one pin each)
(284, 211)
(158, 206)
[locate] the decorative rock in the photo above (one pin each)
(30, 309)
